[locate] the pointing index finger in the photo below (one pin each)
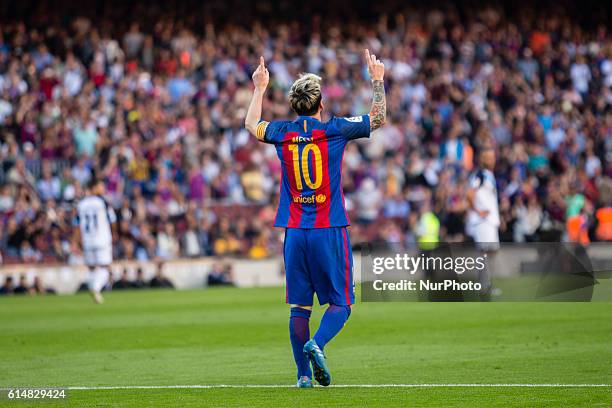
(366, 54)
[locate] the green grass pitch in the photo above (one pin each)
(240, 336)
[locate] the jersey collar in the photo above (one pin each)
(302, 118)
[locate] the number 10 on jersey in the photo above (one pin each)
(300, 166)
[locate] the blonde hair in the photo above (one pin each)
(305, 95)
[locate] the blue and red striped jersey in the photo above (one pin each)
(311, 155)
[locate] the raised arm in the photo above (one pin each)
(378, 111)
(261, 77)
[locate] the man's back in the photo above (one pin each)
(95, 218)
(311, 155)
(317, 251)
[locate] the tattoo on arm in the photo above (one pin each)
(378, 111)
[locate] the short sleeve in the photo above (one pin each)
(112, 218)
(354, 128)
(260, 130)
(110, 213)
(475, 180)
(269, 132)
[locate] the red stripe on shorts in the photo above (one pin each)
(347, 276)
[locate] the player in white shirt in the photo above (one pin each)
(95, 218)
(483, 215)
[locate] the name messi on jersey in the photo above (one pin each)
(301, 139)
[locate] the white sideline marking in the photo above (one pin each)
(210, 386)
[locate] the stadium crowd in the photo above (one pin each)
(156, 109)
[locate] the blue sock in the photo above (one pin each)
(332, 322)
(299, 333)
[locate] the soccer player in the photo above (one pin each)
(95, 218)
(317, 250)
(483, 215)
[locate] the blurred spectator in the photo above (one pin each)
(260, 246)
(49, 187)
(191, 243)
(139, 283)
(220, 275)
(159, 280)
(369, 200)
(124, 282)
(9, 287)
(39, 289)
(22, 287)
(528, 220)
(167, 244)
(428, 228)
(153, 103)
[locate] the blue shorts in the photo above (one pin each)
(319, 260)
